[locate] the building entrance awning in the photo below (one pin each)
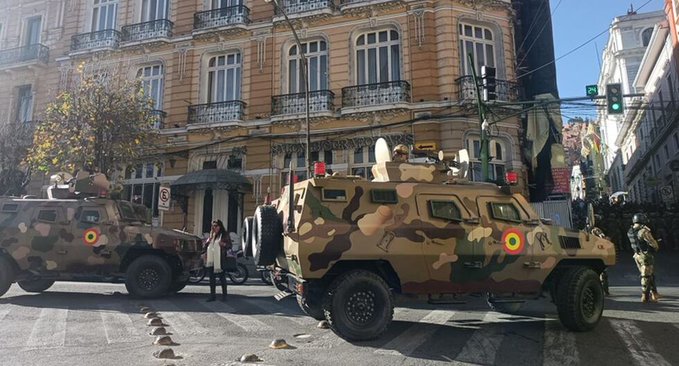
(216, 179)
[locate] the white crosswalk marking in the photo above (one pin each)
(408, 341)
(559, 348)
(117, 325)
(483, 345)
(49, 331)
(179, 321)
(245, 322)
(642, 352)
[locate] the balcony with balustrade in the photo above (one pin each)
(303, 9)
(506, 91)
(366, 6)
(293, 106)
(219, 114)
(31, 55)
(375, 97)
(232, 19)
(158, 117)
(108, 39)
(147, 32)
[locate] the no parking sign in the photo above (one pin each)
(164, 198)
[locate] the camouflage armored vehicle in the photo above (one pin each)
(347, 246)
(92, 238)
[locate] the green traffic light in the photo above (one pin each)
(615, 107)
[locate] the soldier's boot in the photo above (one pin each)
(644, 297)
(655, 296)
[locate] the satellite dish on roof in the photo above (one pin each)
(382, 153)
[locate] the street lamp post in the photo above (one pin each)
(305, 82)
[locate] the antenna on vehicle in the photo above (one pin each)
(382, 153)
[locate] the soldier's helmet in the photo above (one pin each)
(640, 218)
(401, 149)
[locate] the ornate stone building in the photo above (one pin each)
(225, 75)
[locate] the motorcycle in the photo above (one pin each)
(238, 276)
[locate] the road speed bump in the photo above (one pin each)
(159, 331)
(166, 353)
(249, 358)
(164, 341)
(280, 344)
(152, 315)
(156, 322)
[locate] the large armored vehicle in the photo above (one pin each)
(76, 238)
(346, 246)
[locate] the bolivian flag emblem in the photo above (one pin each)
(91, 236)
(513, 241)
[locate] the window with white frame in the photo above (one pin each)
(316, 53)
(362, 160)
(224, 78)
(300, 167)
(141, 185)
(24, 105)
(480, 42)
(152, 81)
(378, 57)
(33, 30)
(154, 10)
(497, 153)
(104, 13)
(221, 4)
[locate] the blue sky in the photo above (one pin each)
(575, 22)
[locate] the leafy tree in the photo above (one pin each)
(15, 139)
(97, 125)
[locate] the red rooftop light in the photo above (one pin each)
(319, 169)
(512, 177)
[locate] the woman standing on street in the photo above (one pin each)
(217, 245)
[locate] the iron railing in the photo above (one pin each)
(161, 28)
(287, 104)
(505, 90)
(34, 52)
(376, 94)
(158, 118)
(108, 38)
(301, 6)
(232, 15)
(216, 112)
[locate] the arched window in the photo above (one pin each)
(152, 82)
(316, 53)
(378, 57)
(480, 42)
(646, 36)
(224, 78)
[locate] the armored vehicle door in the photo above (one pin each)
(448, 252)
(507, 255)
(90, 248)
(47, 235)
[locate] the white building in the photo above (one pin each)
(649, 136)
(629, 38)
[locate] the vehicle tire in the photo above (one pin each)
(197, 276)
(148, 276)
(580, 299)
(37, 285)
(313, 308)
(6, 275)
(247, 236)
(265, 275)
(358, 305)
(267, 235)
(240, 275)
(511, 307)
(179, 284)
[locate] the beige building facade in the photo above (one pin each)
(225, 75)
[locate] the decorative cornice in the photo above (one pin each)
(344, 144)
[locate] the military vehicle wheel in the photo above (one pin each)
(267, 235)
(580, 299)
(148, 276)
(6, 275)
(38, 285)
(510, 307)
(247, 236)
(311, 308)
(358, 305)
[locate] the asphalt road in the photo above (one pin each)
(98, 324)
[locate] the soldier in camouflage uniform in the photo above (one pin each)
(644, 246)
(400, 154)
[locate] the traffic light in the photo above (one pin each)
(489, 83)
(614, 98)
